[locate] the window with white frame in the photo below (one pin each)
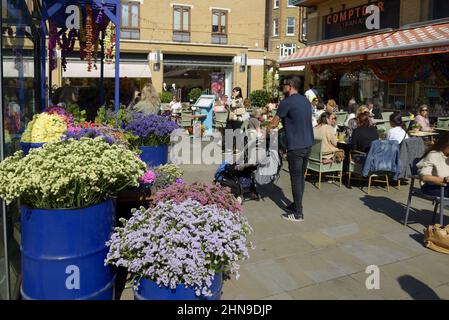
(287, 49)
(290, 26)
(275, 27)
(275, 4)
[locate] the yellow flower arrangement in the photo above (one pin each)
(44, 128)
(7, 137)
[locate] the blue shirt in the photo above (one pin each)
(296, 114)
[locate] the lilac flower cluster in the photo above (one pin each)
(206, 194)
(152, 129)
(186, 243)
(77, 133)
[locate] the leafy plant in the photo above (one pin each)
(259, 98)
(165, 97)
(194, 94)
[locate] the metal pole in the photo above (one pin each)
(2, 154)
(117, 56)
(43, 73)
(102, 70)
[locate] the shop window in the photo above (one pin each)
(181, 24)
(130, 28)
(440, 9)
(275, 4)
(290, 26)
(219, 27)
(275, 27)
(288, 49)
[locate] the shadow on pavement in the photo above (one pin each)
(396, 210)
(275, 194)
(417, 289)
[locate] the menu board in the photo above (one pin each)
(205, 102)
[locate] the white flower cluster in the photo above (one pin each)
(69, 174)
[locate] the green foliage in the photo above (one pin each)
(78, 115)
(194, 94)
(259, 98)
(165, 97)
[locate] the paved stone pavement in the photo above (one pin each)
(326, 256)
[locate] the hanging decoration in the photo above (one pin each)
(67, 44)
(52, 41)
(89, 37)
(109, 43)
(82, 37)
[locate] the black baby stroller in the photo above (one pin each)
(239, 178)
(243, 178)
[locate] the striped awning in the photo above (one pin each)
(421, 40)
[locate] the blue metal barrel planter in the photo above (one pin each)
(149, 290)
(154, 156)
(27, 146)
(63, 253)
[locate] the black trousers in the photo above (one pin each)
(297, 165)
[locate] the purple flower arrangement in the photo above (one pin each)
(206, 194)
(148, 178)
(93, 130)
(152, 129)
(186, 243)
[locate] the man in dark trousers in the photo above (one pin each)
(295, 111)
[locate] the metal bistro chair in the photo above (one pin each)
(186, 119)
(386, 115)
(341, 118)
(357, 168)
(406, 121)
(220, 120)
(440, 200)
(443, 122)
(317, 164)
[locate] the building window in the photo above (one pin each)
(275, 4)
(219, 27)
(290, 26)
(275, 27)
(130, 20)
(181, 24)
(303, 26)
(290, 3)
(287, 49)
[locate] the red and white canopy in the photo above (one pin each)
(422, 40)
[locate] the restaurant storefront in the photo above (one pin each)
(395, 65)
(19, 80)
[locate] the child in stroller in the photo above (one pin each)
(239, 178)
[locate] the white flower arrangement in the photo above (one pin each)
(69, 174)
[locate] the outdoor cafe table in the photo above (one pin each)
(442, 130)
(380, 121)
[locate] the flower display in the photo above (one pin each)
(152, 129)
(206, 194)
(167, 174)
(148, 177)
(185, 243)
(69, 174)
(45, 127)
(93, 130)
(63, 114)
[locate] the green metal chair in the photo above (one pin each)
(341, 118)
(443, 122)
(386, 115)
(406, 121)
(357, 168)
(186, 118)
(220, 120)
(316, 164)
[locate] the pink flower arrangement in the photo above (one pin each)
(148, 178)
(206, 194)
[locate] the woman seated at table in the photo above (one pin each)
(423, 118)
(364, 134)
(434, 167)
(175, 105)
(331, 106)
(325, 132)
(397, 131)
(352, 123)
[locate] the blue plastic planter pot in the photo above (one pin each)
(149, 290)
(63, 253)
(154, 156)
(27, 146)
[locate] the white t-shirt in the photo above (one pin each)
(396, 133)
(176, 106)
